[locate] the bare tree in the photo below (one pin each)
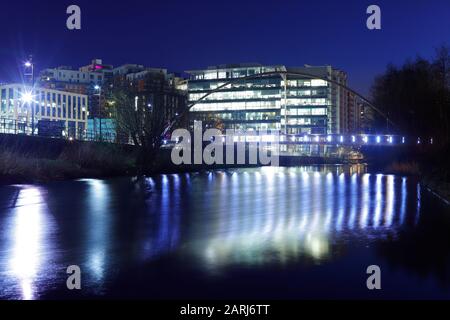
(143, 124)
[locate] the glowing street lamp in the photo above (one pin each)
(99, 90)
(29, 70)
(27, 97)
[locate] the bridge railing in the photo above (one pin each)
(59, 131)
(325, 139)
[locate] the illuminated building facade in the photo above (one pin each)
(299, 105)
(46, 111)
(86, 80)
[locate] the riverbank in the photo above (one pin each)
(430, 164)
(33, 159)
(25, 159)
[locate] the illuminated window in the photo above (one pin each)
(318, 83)
(211, 75)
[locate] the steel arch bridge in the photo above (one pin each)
(284, 75)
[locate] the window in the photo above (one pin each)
(319, 111)
(3, 100)
(74, 108)
(69, 107)
(79, 107)
(318, 83)
(211, 75)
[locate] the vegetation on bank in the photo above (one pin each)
(416, 98)
(30, 159)
(403, 168)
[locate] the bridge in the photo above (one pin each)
(319, 145)
(354, 140)
(284, 75)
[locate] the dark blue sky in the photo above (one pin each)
(183, 35)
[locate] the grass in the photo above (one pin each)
(21, 161)
(21, 168)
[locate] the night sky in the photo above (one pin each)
(184, 35)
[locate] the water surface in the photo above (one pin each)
(287, 233)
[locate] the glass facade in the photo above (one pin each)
(301, 105)
(251, 104)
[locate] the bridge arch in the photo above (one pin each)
(284, 75)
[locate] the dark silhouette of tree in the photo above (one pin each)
(416, 97)
(141, 123)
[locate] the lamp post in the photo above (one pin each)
(29, 70)
(28, 96)
(27, 99)
(99, 90)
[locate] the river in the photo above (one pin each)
(260, 233)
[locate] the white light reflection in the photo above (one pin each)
(389, 215)
(403, 205)
(416, 220)
(341, 199)
(99, 222)
(354, 199)
(31, 226)
(378, 201)
(329, 194)
(365, 201)
(299, 214)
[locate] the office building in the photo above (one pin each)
(42, 111)
(306, 103)
(88, 80)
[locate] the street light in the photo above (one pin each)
(27, 96)
(27, 99)
(99, 89)
(29, 70)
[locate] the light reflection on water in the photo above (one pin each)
(293, 214)
(248, 218)
(30, 249)
(98, 225)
